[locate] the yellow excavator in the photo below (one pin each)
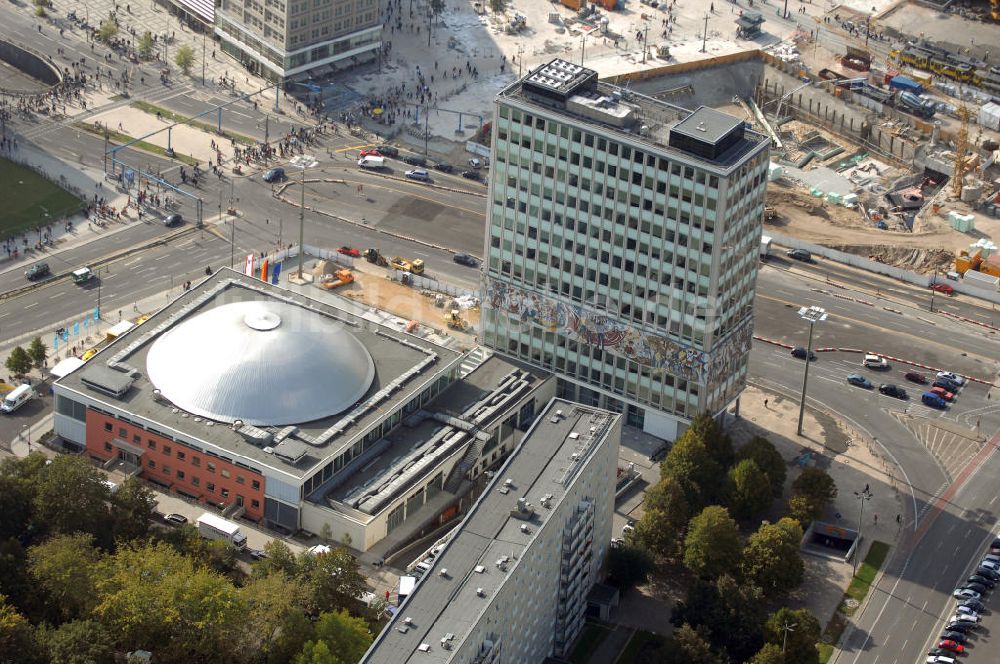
(455, 321)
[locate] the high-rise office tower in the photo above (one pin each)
(622, 245)
(281, 39)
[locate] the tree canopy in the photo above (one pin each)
(184, 58)
(749, 490)
(767, 457)
(664, 522)
(712, 546)
(771, 558)
(802, 638)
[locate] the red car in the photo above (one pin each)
(953, 646)
(915, 377)
(943, 288)
(369, 153)
(943, 393)
(349, 251)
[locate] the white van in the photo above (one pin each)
(17, 398)
(371, 161)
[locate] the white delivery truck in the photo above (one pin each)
(372, 161)
(16, 398)
(765, 247)
(216, 528)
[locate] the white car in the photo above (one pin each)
(962, 617)
(940, 659)
(992, 558)
(965, 610)
(990, 565)
(952, 376)
(966, 593)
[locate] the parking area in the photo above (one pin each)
(14, 426)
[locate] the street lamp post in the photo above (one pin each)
(303, 162)
(811, 315)
(864, 496)
(26, 430)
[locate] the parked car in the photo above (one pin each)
(989, 565)
(859, 381)
(957, 637)
(260, 554)
(933, 400)
(988, 573)
(349, 251)
(444, 168)
(973, 604)
(274, 175)
(915, 377)
(37, 271)
(979, 578)
(370, 152)
(995, 547)
(975, 587)
(414, 160)
(991, 558)
(954, 377)
(876, 362)
(173, 220)
(966, 610)
(388, 151)
(943, 288)
(894, 391)
(475, 163)
(465, 259)
(176, 519)
(471, 175)
(800, 255)
(960, 626)
(966, 593)
(961, 617)
(943, 393)
(800, 353)
(949, 385)
(418, 174)
(952, 646)
(940, 659)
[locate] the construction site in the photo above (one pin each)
(884, 129)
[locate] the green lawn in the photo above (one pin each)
(29, 197)
(867, 571)
(592, 637)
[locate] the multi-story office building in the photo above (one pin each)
(511, 583)
(622, 245)
(282, 39)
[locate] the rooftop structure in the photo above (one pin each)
(296, 411)
(513, 578)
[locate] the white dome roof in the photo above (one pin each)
(261, 362)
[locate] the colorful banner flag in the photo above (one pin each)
(97, 314)
(55, 342)
(76, 329)
(275, 272)
(248, 265)
(263, 271)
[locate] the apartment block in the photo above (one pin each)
(622, 245)
(512, 582)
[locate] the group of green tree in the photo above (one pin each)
(699, 520)
(86, 577)
(21, 361)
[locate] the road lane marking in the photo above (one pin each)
(33, 304)
(52, 297)
(132, 262)
(160, 258)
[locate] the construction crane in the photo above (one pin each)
(961, 147)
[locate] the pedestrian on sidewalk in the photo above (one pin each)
(875, 519)
(765, 403)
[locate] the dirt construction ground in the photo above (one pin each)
(805, 217)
